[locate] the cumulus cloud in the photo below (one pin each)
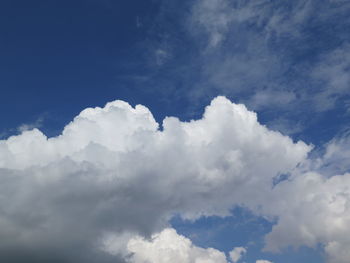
(169, 247)
(237, 253)
(113, 177)
(113, 173)
(313, 205)
(312, 210)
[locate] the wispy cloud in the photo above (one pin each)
(266, 54)
(332, 75)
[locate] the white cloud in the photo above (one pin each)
(313, 206)
(112, 172)
(237, 253)
(169, 247)
(312, 210)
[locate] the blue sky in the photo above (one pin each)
(287, 61)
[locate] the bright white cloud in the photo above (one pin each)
(237, 253)
(312, 210)
(313, 206)
(113, 172)
(169, 247)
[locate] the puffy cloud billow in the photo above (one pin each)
(114, 176)
(169, 247)
(312, 210)
(237, 253)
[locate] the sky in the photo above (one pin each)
(153, 131)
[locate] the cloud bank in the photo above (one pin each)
(114, 177)
(112, 170)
